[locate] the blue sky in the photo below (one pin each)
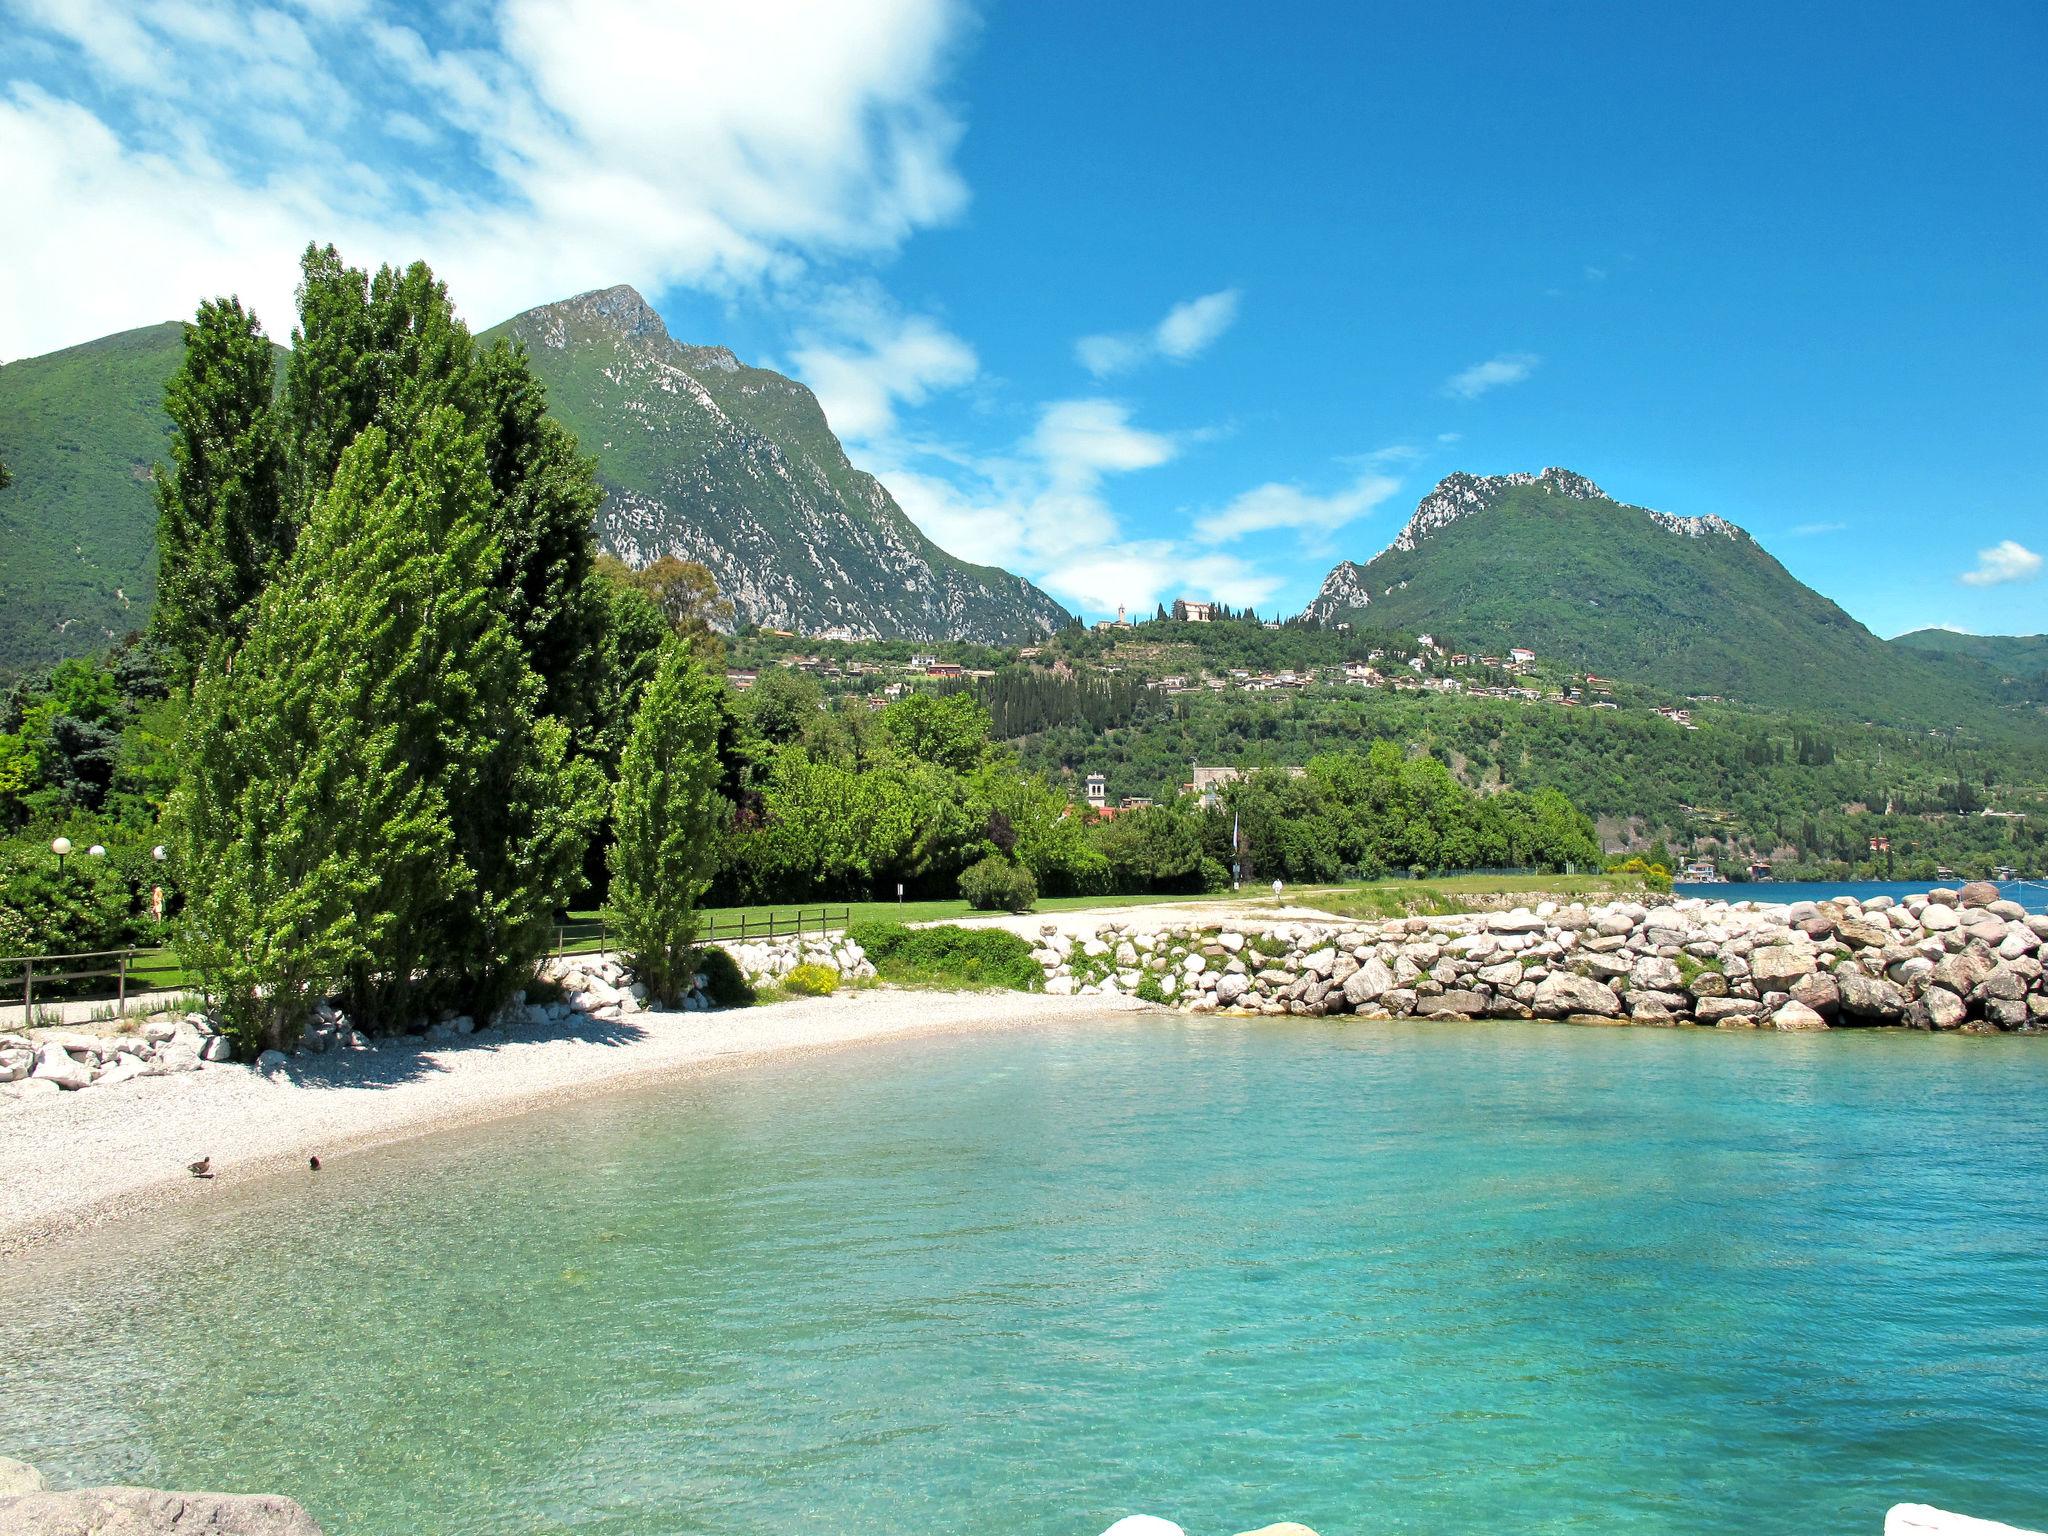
(1151, 298)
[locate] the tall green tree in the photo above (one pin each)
(545, 494)
(370, 801)
(670, 821)
(220, 532)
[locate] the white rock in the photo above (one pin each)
(1144, 1525)
(56, 1065)
(272, 1063)
(217, 1048)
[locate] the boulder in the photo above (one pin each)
(56, 1065)
(1978, 893)
(19, 1477)
(1796, 1016)
(271, 1063)
(1368, 983)
(1717, 1010)
(1862, 933)
(1655, 973)
(1940, 1008)
(1284, 1528)
(1962, 971)
(150, 1512)
(1563, 994)
(1869, 997)
(1230, 987)
(1776, 966)
(1453, 1004)
(1820, 992)
(1937, 917)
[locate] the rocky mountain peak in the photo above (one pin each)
(619, 309)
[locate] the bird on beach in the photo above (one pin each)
(203, 1169)
(313, 1162)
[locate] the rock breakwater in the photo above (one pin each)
(1947, 960)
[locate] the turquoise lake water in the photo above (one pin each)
(1377, 1278)
(2031, 894)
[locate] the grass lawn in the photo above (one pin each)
(1459, 893)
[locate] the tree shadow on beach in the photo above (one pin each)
(402, 1059)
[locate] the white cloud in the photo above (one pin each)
(863, 358)
(1188, 330)
(2007, 560)
(1273, 506)
(1079, 441)
(578, 143)
(1508, 368)
(1815, 530)
(1449, 437)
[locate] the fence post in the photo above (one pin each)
(121, 984)
(28, 993)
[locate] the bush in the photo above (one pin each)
(811, 980)
(88, 906)
(997, 885)
(948, 956)
(1655, 876)
(724, 981)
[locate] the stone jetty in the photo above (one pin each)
(1948, 960)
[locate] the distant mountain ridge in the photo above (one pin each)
(712, 460)
(1692, 604)
(704, 457)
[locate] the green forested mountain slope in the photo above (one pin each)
(736, 467)
(2013, 655)
(79, 431)
(1693, 604)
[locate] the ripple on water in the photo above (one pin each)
(1404, 1278)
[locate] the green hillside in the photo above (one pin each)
(79, 430)
(1695, 605)
(2013, 655)
(712, 460)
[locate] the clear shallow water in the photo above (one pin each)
(2031, 894)
(1395, 1278)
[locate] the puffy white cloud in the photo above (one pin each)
(1081, 440)
(1186, 332)
(1508, 368)
(574, 145)
(863, 358)
(2007, 560)
(1272, 506)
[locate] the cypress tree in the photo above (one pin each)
(545, 496)
(306, 841)
(670, 818)
(219, 534)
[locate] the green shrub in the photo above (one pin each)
(997, 885)
(724, 981)
(811, 980)
(948, 956)
(87, 906)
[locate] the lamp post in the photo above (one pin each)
(60, 846)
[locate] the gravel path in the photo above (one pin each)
(80, 1158)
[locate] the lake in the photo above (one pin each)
(1375, 1277)
(2031, 894)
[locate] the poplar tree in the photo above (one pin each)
(670, 819)
(219, 533)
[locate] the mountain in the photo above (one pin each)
(2016, 656)
(1690, 604)
(704, 457)
(80, 430)
(712, 460)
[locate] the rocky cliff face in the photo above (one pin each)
(711, 460)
